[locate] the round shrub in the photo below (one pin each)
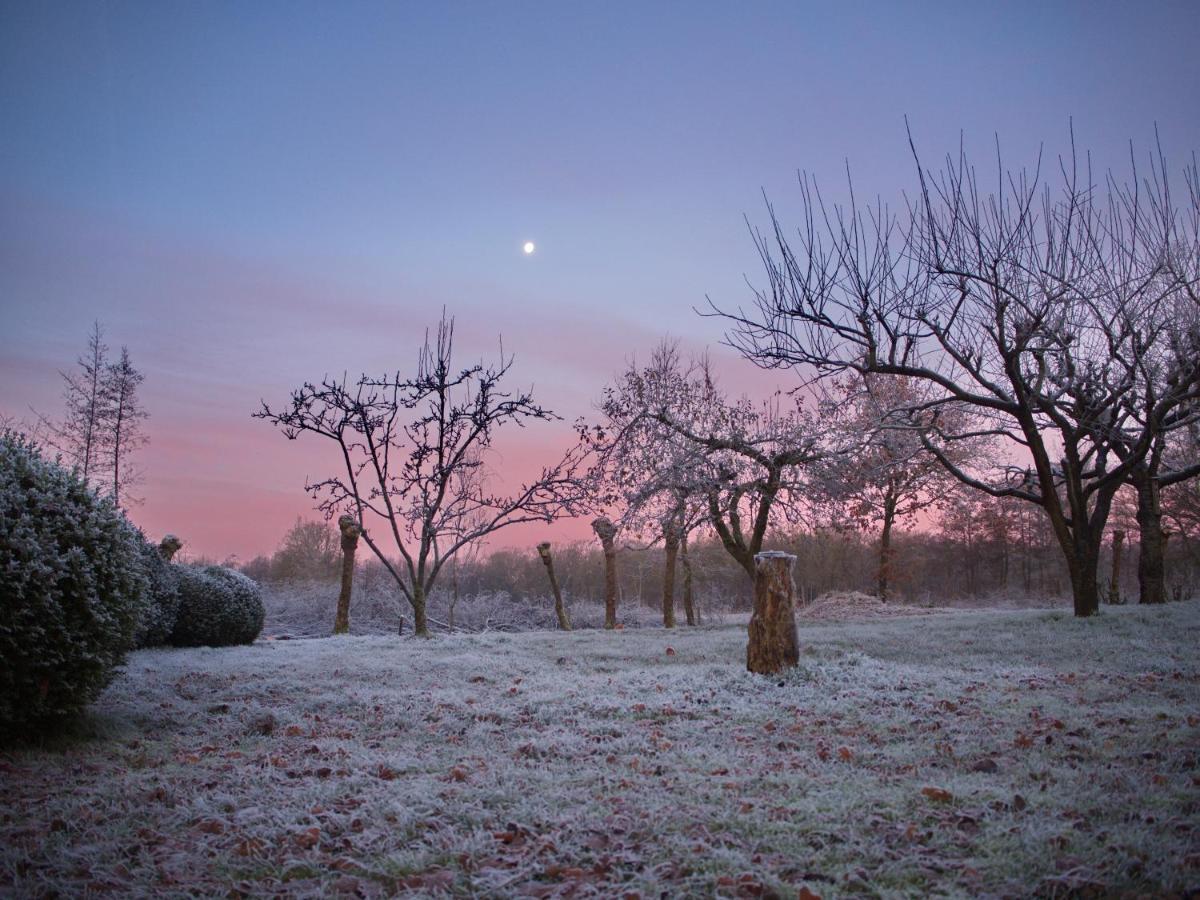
(71, 588)
(218, 607)
(162, 605)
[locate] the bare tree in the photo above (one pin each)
(125, 417)
(402, 442)
(1160, 394)
(83, 433)
(1005, 302)
(890, 476)
(671, 438)
(103, 424)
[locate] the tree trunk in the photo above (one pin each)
(607, 532)
(543, 549)
(689, 598)
(1114, 584)
(671, 553)
(1152, 541)
(348, 526)
(453, 592)
(420, 623)
(773, 644)
(1083, 563)
(885, 546)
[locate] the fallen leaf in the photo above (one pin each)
(937, 795)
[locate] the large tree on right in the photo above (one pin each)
(1060, 310)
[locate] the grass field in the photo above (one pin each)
(1002, 753)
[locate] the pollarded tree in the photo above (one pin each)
(1003, 302)
(889, 476)
(403, 446)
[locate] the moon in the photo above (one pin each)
(529, 247)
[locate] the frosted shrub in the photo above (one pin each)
(71, 588)
(218, 607)
(162, 604)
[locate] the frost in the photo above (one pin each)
(594, 763)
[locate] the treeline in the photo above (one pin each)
(977, 548)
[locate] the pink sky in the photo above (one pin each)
(240, 330)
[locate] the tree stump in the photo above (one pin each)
(773, 645)
(348, 526)
(169, 546)
(560, 610)
(607, 532)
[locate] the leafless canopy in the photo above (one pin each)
(412, 456)
(1051, 310)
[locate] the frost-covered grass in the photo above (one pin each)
(961, 754)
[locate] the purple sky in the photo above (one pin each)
(248, 195)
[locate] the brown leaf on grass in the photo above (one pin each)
(308, 838)
(845, 754)
(458, 773)
(387, 773)
(250, 846)
(937, 795)
(211, 826)
(806, 894)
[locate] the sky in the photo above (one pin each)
(249, 195)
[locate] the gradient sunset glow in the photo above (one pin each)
(249, 196)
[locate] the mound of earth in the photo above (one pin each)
(840, 605)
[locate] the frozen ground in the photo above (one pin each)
(961, 754)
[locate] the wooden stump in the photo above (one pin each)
(348, 526)
(607, 532)
(169, 546)
(560, 610)
(773, 645)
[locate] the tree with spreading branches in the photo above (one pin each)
(1036, 307)
(889, 477)
(404, 445)
(678, 450)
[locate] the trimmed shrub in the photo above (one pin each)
(218, 607)
(162, 605)
(71, 588)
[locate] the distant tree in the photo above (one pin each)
(103, 423)
(888, 476)
(125, 415)
(671, 440)
(1033, 307)
(402, 443)
(309, 551)
(82, 435)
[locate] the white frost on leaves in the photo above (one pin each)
(597, 762)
